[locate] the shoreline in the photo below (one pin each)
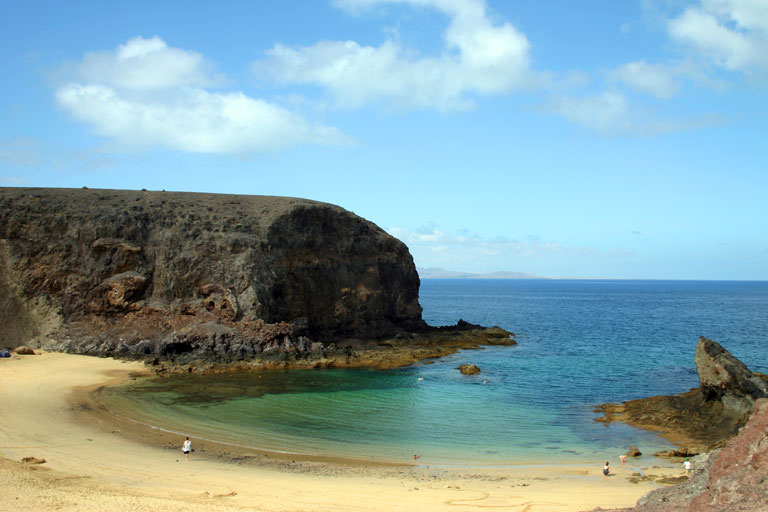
(97, 461)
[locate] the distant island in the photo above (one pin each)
(441, 273)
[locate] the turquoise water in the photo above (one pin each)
(581, 343)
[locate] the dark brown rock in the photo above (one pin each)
(181, 279)
(723, 377)
(633, 451)
(24, 350)
(469, 369)
(703, 418)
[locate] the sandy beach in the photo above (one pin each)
(94, 461)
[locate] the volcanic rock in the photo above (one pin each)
(469, 369)
(703, 418)
(733, 479)
(182, 278)
(723, 377)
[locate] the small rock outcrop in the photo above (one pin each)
(703, 418)
(469, 369)
(733, 479)
(33, 460)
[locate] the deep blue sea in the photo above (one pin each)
(581, 343)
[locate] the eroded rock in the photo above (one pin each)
(180, 278)
(723, 377)
(703, 418)
(469, 369)
(733, 479)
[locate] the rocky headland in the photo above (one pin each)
(733, 478)
(192, 281)
(722, 426)
(703, 418)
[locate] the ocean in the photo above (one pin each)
(581, 343)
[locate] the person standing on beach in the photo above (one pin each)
(687, 466)
(606, 468)
(186, 448)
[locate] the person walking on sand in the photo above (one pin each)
(186, 447)
(606, 468)
(687, 466)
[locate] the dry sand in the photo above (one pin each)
(92, 463)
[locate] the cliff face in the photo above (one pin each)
(101, 268)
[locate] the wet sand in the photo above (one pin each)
(95, 461)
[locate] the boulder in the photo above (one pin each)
(469, 369)
(724, 378)
(24, 350)
(633, 452)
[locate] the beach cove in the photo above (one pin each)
(91, 465)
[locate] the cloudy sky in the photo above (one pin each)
(575, 139)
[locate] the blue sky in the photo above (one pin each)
(574, 139)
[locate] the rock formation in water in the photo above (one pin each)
(705, 417)
(189, 277)
(733, 479)
(468, 369)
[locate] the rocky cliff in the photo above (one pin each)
(211, 276)
(705, 417)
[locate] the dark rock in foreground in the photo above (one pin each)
(733, 479)
(182, 278)
(703, 418)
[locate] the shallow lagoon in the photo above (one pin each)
(581, 343)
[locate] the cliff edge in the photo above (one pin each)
(183, 276)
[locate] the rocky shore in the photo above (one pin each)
(703, 418)
(733, 479)
(209, 282)
(722, 426)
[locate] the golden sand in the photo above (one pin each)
(94, 461)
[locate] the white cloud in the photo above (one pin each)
(431, 240)
(657, 79)
(146, 94)
(732, 34)
(610, 113)
(146, 64)
(194, 120)
(479, 57)
(604, 112)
